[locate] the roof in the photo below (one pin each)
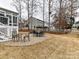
(36, 19)
(8, 10)
(45, 23)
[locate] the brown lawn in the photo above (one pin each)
(72, 35)
(56, 47)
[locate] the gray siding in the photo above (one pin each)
(34, 23)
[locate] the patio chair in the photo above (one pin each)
(26, 37)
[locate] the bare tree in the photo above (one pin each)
(19, 7)
(33, 5)
(66, 8)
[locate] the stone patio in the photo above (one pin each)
(33, 40)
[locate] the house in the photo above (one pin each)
(76, 25)
(33, 22)
(21, 23)
(8, 23)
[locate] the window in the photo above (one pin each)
(15, 24)
(14, 19)
(10, 21)
(4, 20)
(10, 24)
(1, 14)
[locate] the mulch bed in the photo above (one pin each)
(24, 30)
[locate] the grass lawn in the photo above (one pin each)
(56, 47)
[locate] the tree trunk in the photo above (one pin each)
(49, 14)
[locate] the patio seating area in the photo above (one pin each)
(24, 40)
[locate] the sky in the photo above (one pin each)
(7, 4)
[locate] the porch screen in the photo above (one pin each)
(4, 20)
(1, 14)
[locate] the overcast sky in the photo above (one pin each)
(7, 4)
